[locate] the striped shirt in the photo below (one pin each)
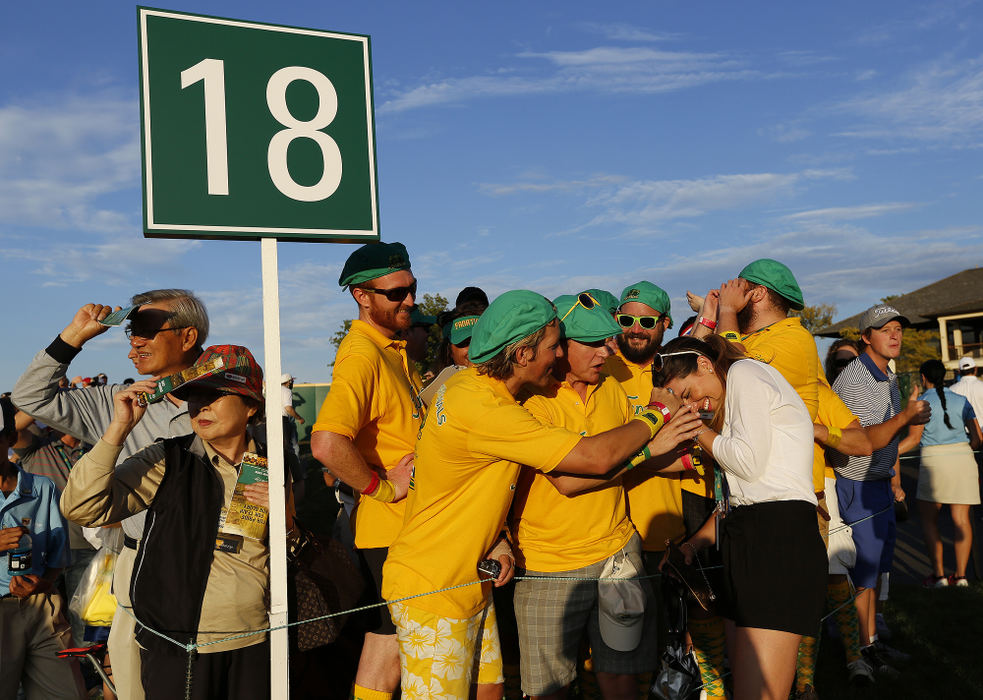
(874, 397)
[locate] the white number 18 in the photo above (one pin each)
(211, 72)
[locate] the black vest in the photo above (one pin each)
(175, 555)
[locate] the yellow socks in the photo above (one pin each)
(805, 665)
(838, 596)
(360, 693)
(708, 644)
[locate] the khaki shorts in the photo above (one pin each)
(440, 657)
(553, 617)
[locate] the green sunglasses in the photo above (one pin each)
(647, 322)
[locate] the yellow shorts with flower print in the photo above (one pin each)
(440, 657)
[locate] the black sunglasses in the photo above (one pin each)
(147, 333)
(394, 294)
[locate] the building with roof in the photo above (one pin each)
(953, 305)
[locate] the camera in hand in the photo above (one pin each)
(490, 567)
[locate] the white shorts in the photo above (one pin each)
(840, 549)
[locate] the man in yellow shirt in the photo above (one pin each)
(366, 430)
(654, 504)
(572, 530)
(464, 477)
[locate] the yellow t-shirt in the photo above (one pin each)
(554, 532)
(832, 412)
(373, 401)
(464, 477)
(791, 349)
(655, 503)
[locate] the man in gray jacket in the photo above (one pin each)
(166, 335)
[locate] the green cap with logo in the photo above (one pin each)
(776, 277)
(418, 318)
(510, 318)
(606, 299)
(650, 295)
(582, 324)
(374, 260)
(461, 329)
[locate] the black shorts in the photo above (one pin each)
(376, 620)
(775, 567)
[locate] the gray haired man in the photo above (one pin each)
(166, 333)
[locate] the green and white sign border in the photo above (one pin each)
(161, 230)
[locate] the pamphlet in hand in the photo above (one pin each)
(169, 384)
(117, 317)
(242, 517)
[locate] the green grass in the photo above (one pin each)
(941, 629)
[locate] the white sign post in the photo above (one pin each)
(258, 132)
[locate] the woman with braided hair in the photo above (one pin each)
(948, 473)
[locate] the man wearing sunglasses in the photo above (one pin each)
(366, 430)
(655, 504)
(166, 333)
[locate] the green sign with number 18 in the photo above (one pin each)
(254, 130)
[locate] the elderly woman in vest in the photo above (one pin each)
(195, 579)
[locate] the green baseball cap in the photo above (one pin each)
(776, 277)
(606, 299)
(418, 318)
(374, 260)
(511, 317)
(461, 329)
(582, 324)
(650, 295)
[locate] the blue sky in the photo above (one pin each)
(552, 145)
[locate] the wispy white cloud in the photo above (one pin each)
(59, 157)
(642, 207)
(805, 58)
(923, 17)
(785, 133)
(628, 32)
(863, 211)
(940, 101)
(115, 260)
(608, 69)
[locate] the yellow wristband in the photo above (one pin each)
(384, 492)
(653, 421)
(835, 435)
(731, 336)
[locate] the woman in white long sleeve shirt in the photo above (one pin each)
(774, 558)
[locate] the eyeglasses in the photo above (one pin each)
(658, 362)
(647, 322)
(584, 299)
(148, 334)
(395, 294)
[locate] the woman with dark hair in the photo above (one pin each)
(948, 471)
(774, 559)
(841, 353)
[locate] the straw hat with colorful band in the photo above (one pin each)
(584, 319)
(607, 300)
(374, 260)
(776, 277)
(510, 318)
(462, 328)
(650, 295)
(242, 374)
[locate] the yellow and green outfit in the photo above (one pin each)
(373, 402)
(465, 473)
(572, 536)
(654, 504)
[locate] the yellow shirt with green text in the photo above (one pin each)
(464, 479)
(554, 532)
(655, 503)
